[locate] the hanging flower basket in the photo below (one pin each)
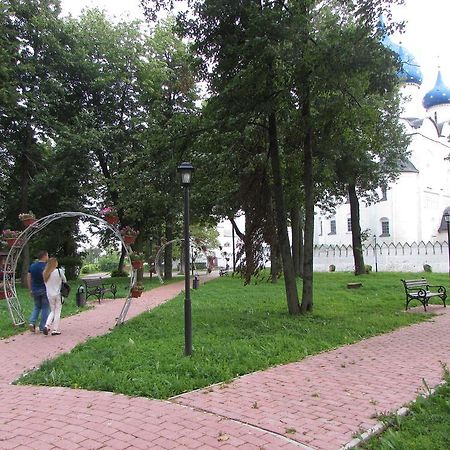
(28, 222)
(112, 220)
(129, 239)
(11, 236)
(110, 215)
(129, 234)
(137, 264)
(137, 260)
(27, 218)
(2, 293)
(136, 290)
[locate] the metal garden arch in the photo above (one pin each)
(194, 242)
(9, 275)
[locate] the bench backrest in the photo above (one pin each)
(93, 281)
(415, 284)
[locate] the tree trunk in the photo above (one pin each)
(121, 260)
(301, 247)
(275, 263)
(24, 194)
(168, 252)
(281, 220)
(308, 183)
(356, 231)
(296, 235)
(241, 236)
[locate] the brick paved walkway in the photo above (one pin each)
(317, 403)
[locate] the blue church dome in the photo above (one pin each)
(439, 95)
(410, 72)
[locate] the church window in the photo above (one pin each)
(349, 224)
(385, 231)
(383, 193)
(320, 228)
(333, 226)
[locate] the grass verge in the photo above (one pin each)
(236, 330)
(70, 307)
(426, 427)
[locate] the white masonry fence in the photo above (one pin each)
(400, 257)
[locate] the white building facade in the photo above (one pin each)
(410, 211)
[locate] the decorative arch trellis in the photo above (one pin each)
(9, 275)
(194, 242)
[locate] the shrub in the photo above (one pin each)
(331, 268)
(90, 268)
(427, 268)
(119, 273)
(367, 268)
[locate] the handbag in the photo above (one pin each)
(65, 287)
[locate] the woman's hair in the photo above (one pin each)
(52, 264)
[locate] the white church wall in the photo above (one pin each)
(404, 216)
(412, 106)
(387, 258)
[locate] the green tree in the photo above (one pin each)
(264, 63)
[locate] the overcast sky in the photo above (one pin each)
(427, 33)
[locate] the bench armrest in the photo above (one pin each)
(440, 288)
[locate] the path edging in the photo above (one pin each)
(380, 427)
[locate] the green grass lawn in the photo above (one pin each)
(427, 427)
(70, 307)
(236, 330)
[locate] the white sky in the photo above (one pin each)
(427, 32)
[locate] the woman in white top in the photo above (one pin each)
(53, 278)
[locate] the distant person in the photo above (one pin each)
(38, 291)
(53, 277)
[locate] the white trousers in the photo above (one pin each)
(55, 314)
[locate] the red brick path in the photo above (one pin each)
(319, 403)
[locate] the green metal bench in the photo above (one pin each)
(98, 287)
(422, 291)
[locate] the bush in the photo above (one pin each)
(331, 268)
(427, 268)
(119, 273)
(90, 268)
(367, 268)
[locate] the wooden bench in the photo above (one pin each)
(422, 291)
(98, 287)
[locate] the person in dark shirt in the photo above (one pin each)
(38, 291)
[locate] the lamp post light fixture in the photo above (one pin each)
(447, 220)
(186, 169)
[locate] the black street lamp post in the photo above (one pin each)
(447, 220)
(186, 169)
(375, 252)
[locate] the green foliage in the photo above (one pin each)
(119, 273)
(237, 330)
(72, 266)
(90, 268)
(427, 268)
(426, 427)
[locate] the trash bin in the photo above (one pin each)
(80, 296)
(195, 281)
